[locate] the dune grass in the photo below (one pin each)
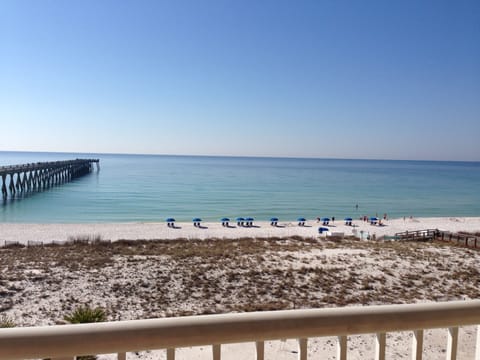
(144, 279)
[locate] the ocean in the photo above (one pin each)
(151, 188)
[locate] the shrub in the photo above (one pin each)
(85, 314)
(6, 322)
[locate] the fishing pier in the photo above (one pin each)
(21, 179)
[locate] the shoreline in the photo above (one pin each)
(60, 232)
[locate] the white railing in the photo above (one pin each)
(66, 341)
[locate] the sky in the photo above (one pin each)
(323, 78)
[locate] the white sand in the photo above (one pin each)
(138, 230)
(361, 347)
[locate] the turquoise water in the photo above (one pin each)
(151, 188)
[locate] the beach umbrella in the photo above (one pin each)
(225, 219)
(249, 221)
(373, 219)
(196, 219)
(301, 221)
(170, 222)
(273, 219)
(322, 230)
(348, 219)
(325, 219)
(239, 219)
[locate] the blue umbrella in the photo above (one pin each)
(301, 219)
(225, 219)
(196, 219)
(273, 219)
(348, 219)
(325, 219)
(239, 219)
(323, 229)
(170, 222)
(373, 219)
(249, 221)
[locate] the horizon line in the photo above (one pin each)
(235, 156)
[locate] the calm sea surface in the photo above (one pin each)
(151, 188)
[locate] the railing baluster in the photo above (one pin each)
(452, 342)
(170, 354)
(342, 348)
(217, 351)
(302, 349)
(260, 347)
(417, 345)
(380, 345)
(122, 356)
(477, 346)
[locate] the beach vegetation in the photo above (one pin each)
(86, 314)
(161, 278)
(6, 321)
(86, 239)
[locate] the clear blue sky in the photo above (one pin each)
(343, 79)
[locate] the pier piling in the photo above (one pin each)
(20, 179)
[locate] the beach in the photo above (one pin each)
(47, 233)
(214, 269)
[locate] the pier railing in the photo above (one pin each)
(68, 341)
(417, 235)
(463, 239)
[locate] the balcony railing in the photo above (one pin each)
(67, 341)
